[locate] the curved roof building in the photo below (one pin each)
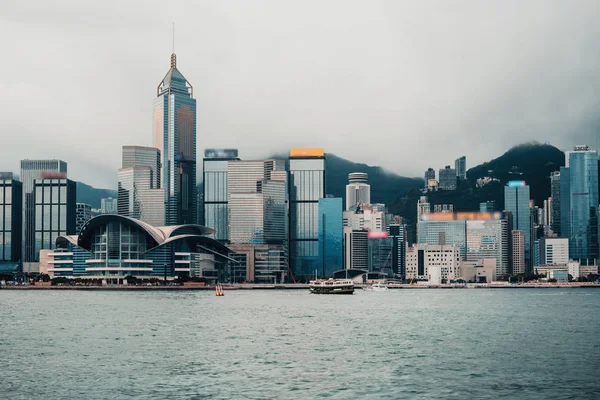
(114, 246)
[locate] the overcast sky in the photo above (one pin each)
(401, 84)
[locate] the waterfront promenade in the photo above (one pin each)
(303, 286)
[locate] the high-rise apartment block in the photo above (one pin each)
(306, 187)
(460, 165)
(11, 208)
(140, 192)
(518, 252)
(174, 126)
(358, 190)
(216, 207)
(579, 203)
(30, 171)
(447, 179)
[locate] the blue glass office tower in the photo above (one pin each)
(215, 202)
(331, 235)
(174, 129)
(11, 222)
(579, 203)
(516, 200)
(306, 186)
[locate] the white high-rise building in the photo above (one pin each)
(554, 251)
(367, 219)
(425, 261)
(358, 190)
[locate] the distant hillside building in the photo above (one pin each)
(429, 175)
(460, 165)
(447, 178)
(108, 205)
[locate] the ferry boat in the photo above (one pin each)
(376, 287)
(332, 286)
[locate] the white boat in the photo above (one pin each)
(376, 287)
(332, 286)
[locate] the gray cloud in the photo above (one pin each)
(404, 85)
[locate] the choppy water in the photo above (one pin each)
(458, 344)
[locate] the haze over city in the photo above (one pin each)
(397, 84)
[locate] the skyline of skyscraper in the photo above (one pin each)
(11, 227)
(517, 201)
(174, 132)
(215, 202)
(139, 193)
(307, 184)
(55, 214)
(579, 203)
(30, 171)
(330, 235)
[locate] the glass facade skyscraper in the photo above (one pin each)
(516, 200)
(555, 206)
(399, 235)
(257, 215)
(306, 186)
(331, 235)
(55, 213)
(30, 171)
(11, 204)
(488, 239)
(216, 214)
(257, 202)
(579, 203)
(444, 232)
(174, 129)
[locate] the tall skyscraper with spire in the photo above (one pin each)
(175, 137)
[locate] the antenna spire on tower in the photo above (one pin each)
(173, 38)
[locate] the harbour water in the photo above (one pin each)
(454, 344)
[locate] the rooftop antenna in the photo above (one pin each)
(173, 57)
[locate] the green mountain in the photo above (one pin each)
(530, 162)
(91, 195)
(385, 186)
